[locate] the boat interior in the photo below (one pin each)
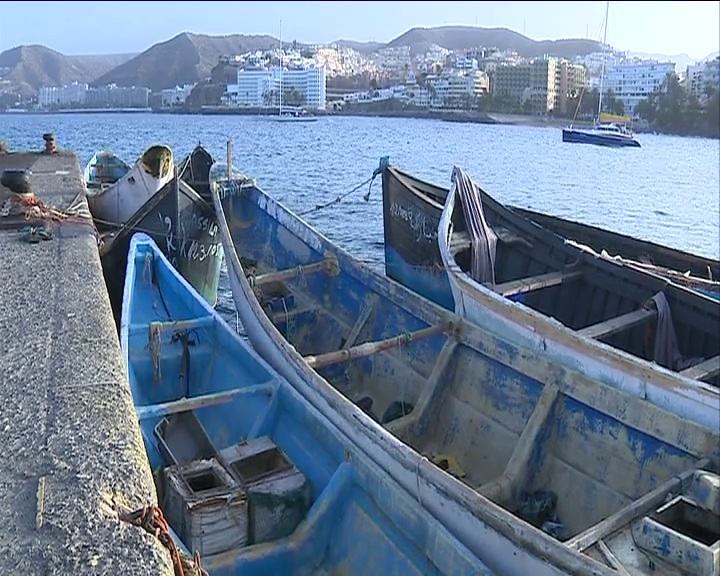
(588, 464)
(248, 474)
(104, 169)
(598, 298)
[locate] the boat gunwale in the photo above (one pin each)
(327, 398)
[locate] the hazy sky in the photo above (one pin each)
(117, 27)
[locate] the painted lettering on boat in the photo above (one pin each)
(415, 219)
(190, 247)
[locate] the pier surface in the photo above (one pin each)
(71, 444)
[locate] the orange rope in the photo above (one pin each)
(152, 520)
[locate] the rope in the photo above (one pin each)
(384, 163)
(152, 520)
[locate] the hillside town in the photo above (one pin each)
(337, 78)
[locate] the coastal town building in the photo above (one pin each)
(633, 80)
(177, 96)
(703, 78)
(80, 96)
(305, 87)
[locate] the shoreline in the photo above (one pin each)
(462, 117)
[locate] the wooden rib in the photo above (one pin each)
(417, 419)
(516, 470)
(360, 322)
(326, 264)
(369, 348)
(196, 402)
(617, 324)
(532, 283)
(612, 559)
(632, 511)
(172, 325)
(704, 370)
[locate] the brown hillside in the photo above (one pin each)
(185, 59)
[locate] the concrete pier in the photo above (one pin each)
(69, 438)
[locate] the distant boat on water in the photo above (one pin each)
(608, 130)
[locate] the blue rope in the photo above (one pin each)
(384, 163)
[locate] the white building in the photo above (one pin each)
(633, 81)
(703, 75)
(176, 96)
(261, 88)
(62, 96)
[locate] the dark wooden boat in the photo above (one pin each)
(195, 170)
(412, 208)
(182, 223)
(538, 469)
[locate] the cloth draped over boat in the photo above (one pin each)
(666, 352)
(482, 238)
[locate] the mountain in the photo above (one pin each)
(29, 67)
(184, 59)
(362, 47)
(464, 37)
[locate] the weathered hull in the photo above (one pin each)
(410, 220)
(475, 395)
(608, 140)
(115, 205)
(185, 228)
(620, 359)
(348, 517)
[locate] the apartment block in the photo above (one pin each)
(703, 76)
(261, 88)
(633, 81)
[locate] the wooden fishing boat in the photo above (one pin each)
(104, 170)
(536, 467)
(115, 204)
(249, 474)
(195, 169)
(412, 209)
(182, 223)
(611, 321)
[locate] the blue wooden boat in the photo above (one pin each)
(249, 474)
(536, 468)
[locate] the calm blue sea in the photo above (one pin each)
(667, 191)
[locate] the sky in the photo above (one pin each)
(669, 28)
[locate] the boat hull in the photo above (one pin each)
(412, 256)
(354, 519)
(345, 303)
(609, 140)
(116, 204)
(185, 228)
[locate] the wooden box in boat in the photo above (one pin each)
(480, 428)
(183, 358)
